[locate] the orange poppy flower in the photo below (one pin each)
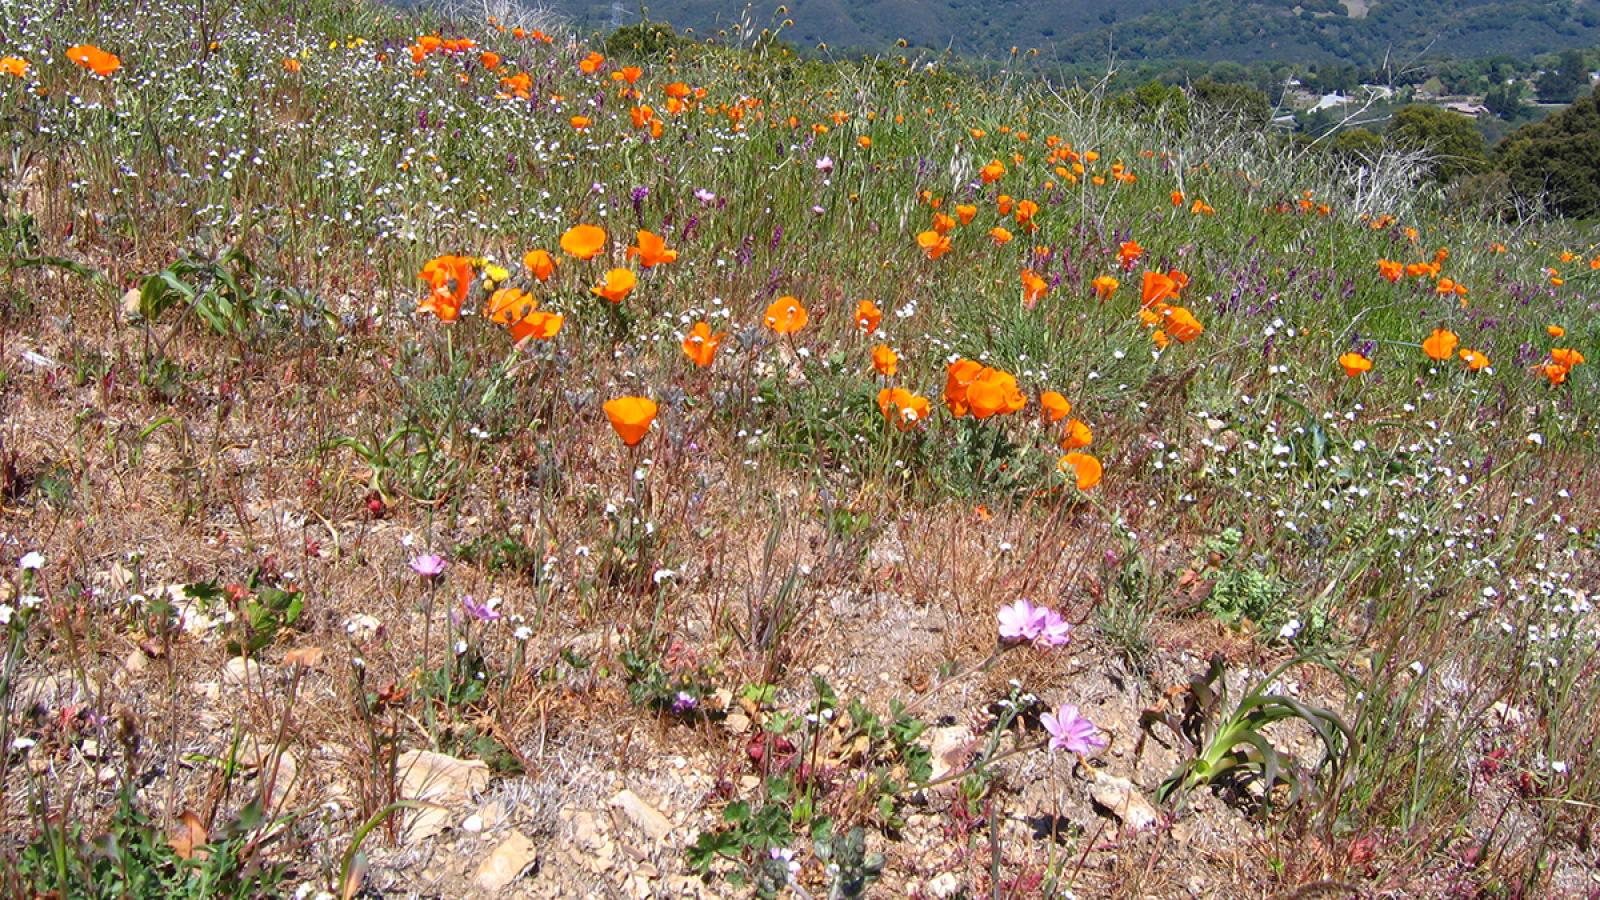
(959, 375)
(868, 316)
(1355, 364)
(1055, 406)
(1003, 203)
(700, 345)
(1158, 288)
(1160, 339)
(785, 315)
(1177, 198)
(885, 360)
(966, 213)
(631, 417)
(1441, 344)
(508, 305)
(1474, 360)
(1450, 286)
(905, 409)
(540, 264)
(1182, 324)
(1566, 356)
(584, 241)
(591, 64)
(1104, 287)
(15, 66)
(1075, 435)
(1555, 373)
(630, 74)
(618, 284)
(519, 85)
(641, 116)
(1085, 469)
(992, 172)
(94, 59)
(985, 397)
(1128, 254)
(933, 244)
(520, 313)
(1033, 287)
(1390, 269)
(290, 64)
(1000, 236)
(1555, 331)
(581, 122)
(943, 224)
(652, 250)
(539, 325)
(449, 279)
(1026, 210)
(489, 59)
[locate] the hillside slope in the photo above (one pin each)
(1278, 30)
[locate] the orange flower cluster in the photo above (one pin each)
(905, 409)
(449, 279)
(1561, 363)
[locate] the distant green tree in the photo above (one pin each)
(1450, 138)
(645, 41)
(1505, 100)
(1240, 100)
(1156, 103)
(1565, 81)
(1558, 159)
(1356, 144)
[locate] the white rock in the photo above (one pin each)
(1123, 800)
(443, 782)
(362, 628)
(241, 673)
(647, 817)
(945, 885)
(507, 862)
(950, 747)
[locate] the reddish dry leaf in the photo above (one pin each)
(310, 657)
(189, 840)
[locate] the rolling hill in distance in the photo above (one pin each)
(1363, 32)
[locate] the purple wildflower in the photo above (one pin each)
(1072, 731)
(683, 702)
(483, 612)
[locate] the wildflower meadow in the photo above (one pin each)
(448, 455)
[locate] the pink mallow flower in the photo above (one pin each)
(1022, 621)
(1054, 631)
(1071, 731)
(428, 565)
